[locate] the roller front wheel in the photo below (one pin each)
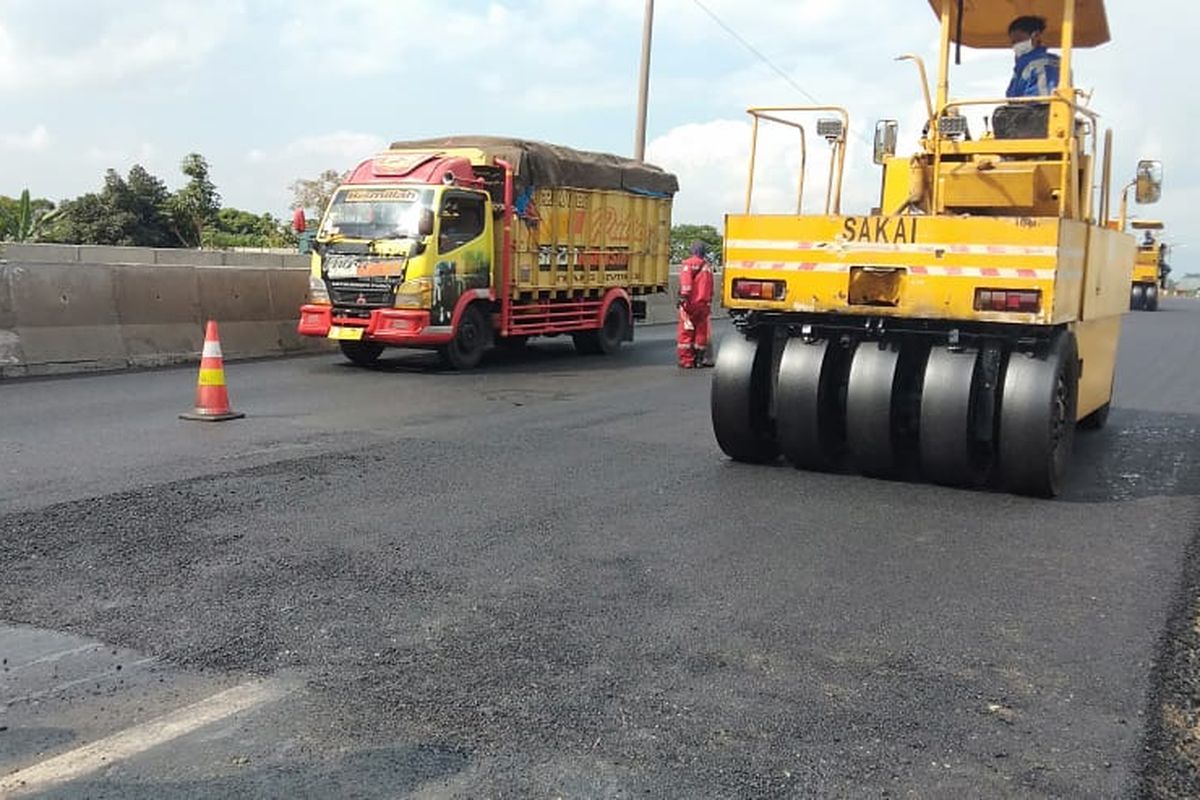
(740, 400)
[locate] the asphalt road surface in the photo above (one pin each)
(542, 579)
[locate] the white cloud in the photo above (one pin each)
(336, 150)
(35, 141)
(144, 154)
(535, 54)
(340, 144)
(565, 97)
(276, 166)
(114, 47)
(712, 159)
(331, 33)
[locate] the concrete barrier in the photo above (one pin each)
(82, 308)
(159, 313)
(11, 355)
(66, 308)
(66, 317)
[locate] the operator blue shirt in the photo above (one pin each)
(1034, 75)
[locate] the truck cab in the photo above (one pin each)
(402, 243)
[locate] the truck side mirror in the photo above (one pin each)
(425, 225)
(887, 131)
(1149, 182)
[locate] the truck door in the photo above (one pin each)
(464, 251)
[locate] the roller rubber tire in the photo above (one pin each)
(1137, 297)
(1152, 298)
(948, 396)
(809, 423)
(739, 400)
(871, 409)
(1037, 419)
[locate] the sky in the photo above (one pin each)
(273, 90)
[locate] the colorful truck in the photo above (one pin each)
(462, 243)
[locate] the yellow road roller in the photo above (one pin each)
(1150, 269)
(960, 330)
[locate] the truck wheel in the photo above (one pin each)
(364, 354)
(587, 343)
(1152, 298)
(471, 340)
(616, 323)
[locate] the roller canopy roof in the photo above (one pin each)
(985, 22)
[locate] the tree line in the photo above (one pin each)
(683, 235)
(138, 210)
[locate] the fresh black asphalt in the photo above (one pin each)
(543, 579)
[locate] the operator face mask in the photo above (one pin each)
(1021, 48)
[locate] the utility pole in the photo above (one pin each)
(639, 144)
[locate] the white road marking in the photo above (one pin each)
(99, 676)
(139, 738)
(61, 654)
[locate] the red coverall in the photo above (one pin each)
(695, 294)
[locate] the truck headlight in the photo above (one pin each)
(317, 293)
(417, 293)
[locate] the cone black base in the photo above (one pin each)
(192, 415)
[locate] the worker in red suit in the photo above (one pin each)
(695, 307)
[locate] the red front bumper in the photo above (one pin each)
(393, 326)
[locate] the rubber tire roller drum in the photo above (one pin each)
(948, 395)
(1137, 297)
(1152, 298)
(1037, 418)
(740, 400)
(810, 426)
(871, 400)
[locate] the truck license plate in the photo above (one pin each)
(338, 332)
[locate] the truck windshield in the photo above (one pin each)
(375, 213)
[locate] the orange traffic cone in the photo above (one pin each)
(212, 399)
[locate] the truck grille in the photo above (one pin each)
(361, 294)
